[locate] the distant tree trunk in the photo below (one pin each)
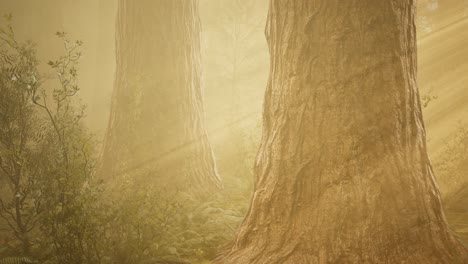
(105, 59)
(157, 126)
(342, 174)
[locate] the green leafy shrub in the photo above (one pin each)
(46, 156)
(149, 225)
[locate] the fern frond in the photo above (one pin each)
(16, 260)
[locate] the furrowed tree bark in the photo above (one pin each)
(342, 174)
(157, 126)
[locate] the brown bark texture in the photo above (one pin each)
(342, 174)
(157, 122)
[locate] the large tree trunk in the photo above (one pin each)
(343, 174)
(157, 126)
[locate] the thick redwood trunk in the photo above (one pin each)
(157, 126)
(342, 174)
